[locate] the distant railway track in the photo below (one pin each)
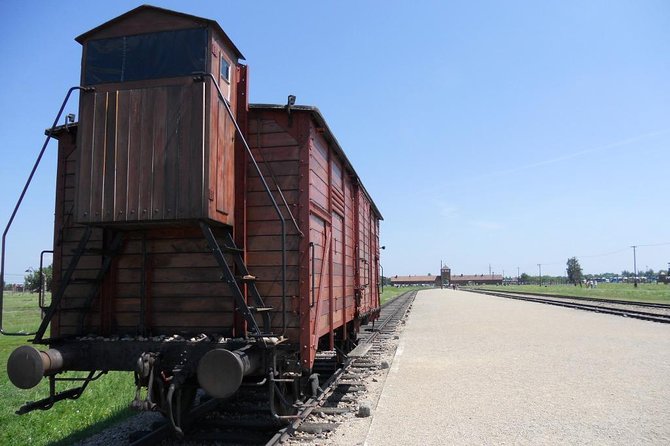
(244, 419)
(639, 310)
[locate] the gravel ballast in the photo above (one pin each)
(475, 369)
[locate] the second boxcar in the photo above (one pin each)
(333, 227)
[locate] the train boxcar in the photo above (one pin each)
(336, 260)
(198, 241)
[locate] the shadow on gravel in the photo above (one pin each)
(94, 429)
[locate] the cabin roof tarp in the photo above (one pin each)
(196, 21)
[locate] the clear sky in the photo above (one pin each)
(502, 133)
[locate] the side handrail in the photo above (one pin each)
(313, 248)
(20, 200)
(201, 77)
(42, 290)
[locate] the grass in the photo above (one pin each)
(645, 292)
(391, 292)
(104, 402)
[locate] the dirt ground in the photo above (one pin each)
(474, 369)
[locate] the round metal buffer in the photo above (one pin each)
(220, 373)
(25, 367)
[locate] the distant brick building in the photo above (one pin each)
(415, 280)
(476, 279)
(446, 279)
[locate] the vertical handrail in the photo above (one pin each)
(20, 200)
(311, 245)
(200, 77)
(43, 286)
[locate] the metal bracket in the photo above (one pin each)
(70, 394)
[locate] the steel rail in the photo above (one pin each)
(584, 298)
(654, 317)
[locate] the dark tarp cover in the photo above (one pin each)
(146, 56)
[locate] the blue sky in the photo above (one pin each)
(489, 133)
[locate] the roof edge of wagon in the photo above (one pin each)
(85, 36)
(316, 113)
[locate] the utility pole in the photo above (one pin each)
(489, 269)
(518, 278)
(539, 265)
(635, 264)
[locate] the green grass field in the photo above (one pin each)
(104, 402)
(645, 292)
(391, 292)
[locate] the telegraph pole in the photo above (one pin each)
(635, 264)
(539, 265)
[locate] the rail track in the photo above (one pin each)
(245, 418)
(639, 310)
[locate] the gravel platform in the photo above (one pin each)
(475, 369)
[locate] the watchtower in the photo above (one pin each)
(155, 142)
(445, 275)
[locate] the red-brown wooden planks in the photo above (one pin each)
(123, 123)
(109, 159)
(159, 185)
(97, 150)
(133, 172)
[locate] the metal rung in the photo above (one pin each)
(99, 251)
(84, 281)
(260, 309)
(232, 249)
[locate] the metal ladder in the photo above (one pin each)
(243, 278)
(108, 253)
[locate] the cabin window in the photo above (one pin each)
(146, 56)
(225, 69)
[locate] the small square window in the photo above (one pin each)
(225, 69)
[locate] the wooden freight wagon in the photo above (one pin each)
(334, 264)
(196, 237)
(328, 215)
